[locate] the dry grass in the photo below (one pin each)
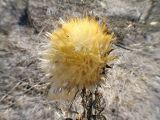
(132, 89)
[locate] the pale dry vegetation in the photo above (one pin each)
(132, 88)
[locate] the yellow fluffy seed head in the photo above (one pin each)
(77, 53)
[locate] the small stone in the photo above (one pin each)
(153, 23)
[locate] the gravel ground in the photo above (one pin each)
(132, 89)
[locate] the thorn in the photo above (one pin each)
(110, 51)
(48, 34)
(107, 66)
(103, 71)
(61, 21)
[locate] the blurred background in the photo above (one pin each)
(134, 78)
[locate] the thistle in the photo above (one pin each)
(77, 54)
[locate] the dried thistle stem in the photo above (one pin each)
(92, 105)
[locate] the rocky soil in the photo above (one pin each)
(132, 89)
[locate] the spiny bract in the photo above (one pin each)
(77, 53)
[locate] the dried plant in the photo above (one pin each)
(75, 59)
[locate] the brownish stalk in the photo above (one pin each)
(93, 105)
